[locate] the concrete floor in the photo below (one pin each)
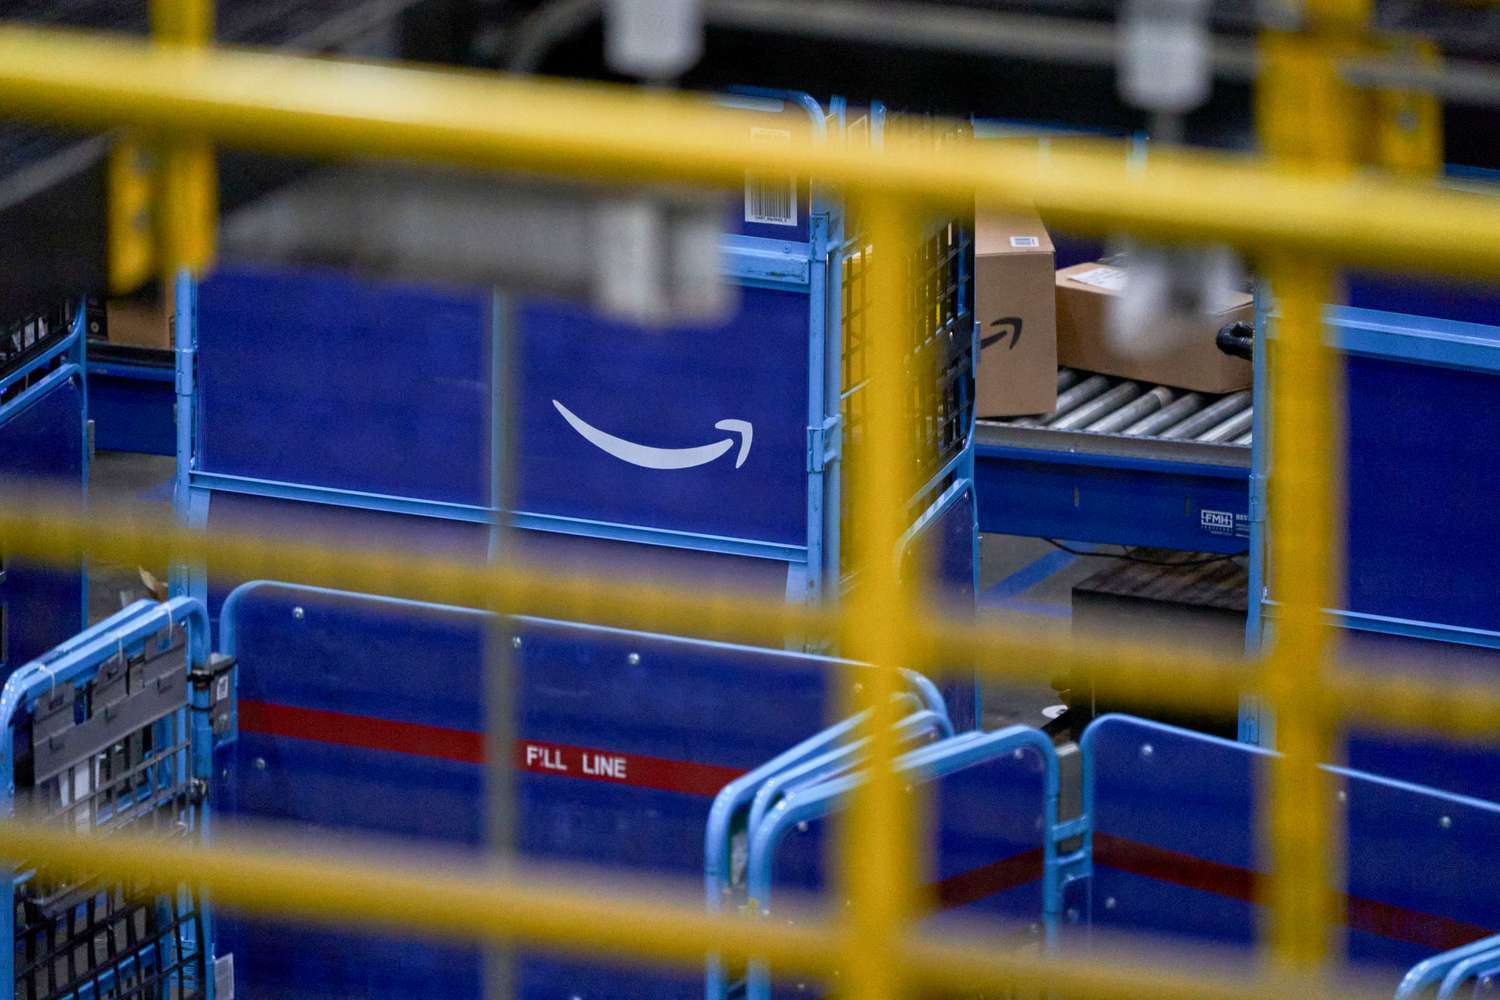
(1032, 580)
(125, 478)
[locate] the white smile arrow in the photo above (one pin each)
(663, 458)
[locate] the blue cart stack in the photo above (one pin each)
(319, 402)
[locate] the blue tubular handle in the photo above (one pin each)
(836, 761)
(928, 763)
(1486, 963)
(733, 797)
(742, 789)
(931, 762)
(1432, 970)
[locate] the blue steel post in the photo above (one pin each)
(1254, 726)
(185, 342)
(8, 871)
(202, 762)
(822, 317)
(499, 686)
(78, 332)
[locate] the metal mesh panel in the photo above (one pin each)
(940, 366)
(24, 340)
(106, 755)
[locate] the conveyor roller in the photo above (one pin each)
(1101, 404)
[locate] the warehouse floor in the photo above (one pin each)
(1024, 576)
(125, 478)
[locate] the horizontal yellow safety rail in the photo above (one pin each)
(339, 109)
(1406, 695)
(1302, 216)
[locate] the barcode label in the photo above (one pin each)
(1109, 278)
(1025, 242)
(770, 201)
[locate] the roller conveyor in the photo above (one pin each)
(1101, 404)
(1120, 461)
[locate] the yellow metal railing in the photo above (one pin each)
(1302, 214)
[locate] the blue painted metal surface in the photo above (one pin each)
(326, 380)
(945, 542)
(1110, 499)
(367, 714)
(42, 442)
(131, 406)
(1173, 847)
(312, 403)
(1420, 565)
(669, 388)
(992, 850)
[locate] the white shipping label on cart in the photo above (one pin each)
(1110, 279)
(770, 201)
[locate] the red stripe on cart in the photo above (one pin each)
(364, 731)
(981, 883)
(467, 747)
(1397, 923)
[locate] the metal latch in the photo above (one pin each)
(824, 444)
(218, 680)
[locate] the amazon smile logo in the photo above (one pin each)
(663, 458)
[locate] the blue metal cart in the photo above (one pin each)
(43, 442)
(313, 401)
(114, 729)
(1166, 846)
(367, 714)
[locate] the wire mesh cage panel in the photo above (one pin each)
(107, 752)
(940, 367)
(23, 341)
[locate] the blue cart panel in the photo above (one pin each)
(945, 543)
(1421, 472)
(361, 713)
(132, 406)
(325, 380)
(1173, 820)
(698, 429)
(41, 442)
(1421, 564)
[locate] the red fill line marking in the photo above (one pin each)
(467, 747)
(638, 770)
(364, 731)
(988, 880)
(1396, 923)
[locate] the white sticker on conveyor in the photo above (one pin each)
(1109, 278)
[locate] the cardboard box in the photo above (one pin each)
(1015, 306)
(1181, 354)
(139, 323)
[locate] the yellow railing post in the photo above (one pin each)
(1310, 121)
(187, 201)
(876, 850)
(1298, 821)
